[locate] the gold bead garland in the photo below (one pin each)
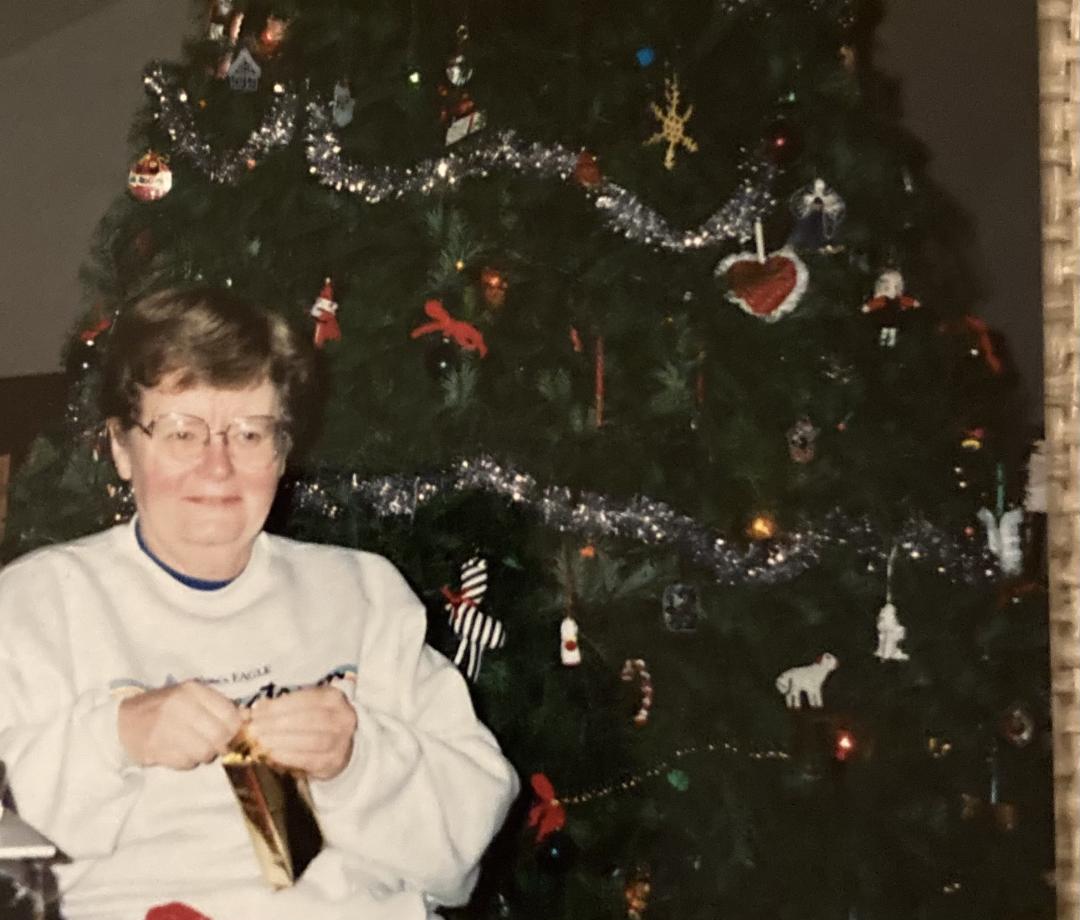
(635, 780)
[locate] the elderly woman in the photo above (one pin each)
(130, 659)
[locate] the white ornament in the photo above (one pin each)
(890, 283)
(808, 679)
(890, 633)
(461, 128)
(1003, 538)
(569, 650)
(458, 71)
(343, 104)
(324, 304)
(1035, 495)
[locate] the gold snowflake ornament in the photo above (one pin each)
(672, 124)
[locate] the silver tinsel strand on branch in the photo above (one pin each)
(176, 117)
(622, 211)
(653, 523)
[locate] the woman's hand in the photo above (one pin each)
(310, 730)
(180, 726)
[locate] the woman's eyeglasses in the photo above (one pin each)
(254, 441)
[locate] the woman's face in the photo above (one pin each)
(201, 516)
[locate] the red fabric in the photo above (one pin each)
(88, 335)
(174, 910)
(880, 302)
(326, 329)
(547, 815)
(981, 332)
(465, 334)
(763, 286)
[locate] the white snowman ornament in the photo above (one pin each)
(569, 650)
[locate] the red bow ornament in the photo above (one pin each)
(547, 815)
(465, 334)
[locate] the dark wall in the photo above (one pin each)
(969, 83)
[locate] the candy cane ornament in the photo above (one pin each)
(636, 669)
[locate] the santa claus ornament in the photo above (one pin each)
(888, 306)
(324, 311)
(150, 179)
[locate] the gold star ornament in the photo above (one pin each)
(672, 124)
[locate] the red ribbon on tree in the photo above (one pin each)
(547, 815)
(465, 334)
(457, 598)
(985, 344)
(100, 325)
(88, 335)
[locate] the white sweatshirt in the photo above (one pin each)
(405, 823)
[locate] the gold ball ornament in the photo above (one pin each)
(762, 526)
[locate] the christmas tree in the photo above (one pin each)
(649, 357)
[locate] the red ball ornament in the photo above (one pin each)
(783, 142)
(587, 171)
(271, 36)
(150, 179)
(494, 287)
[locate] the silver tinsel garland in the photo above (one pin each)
(653, 523)
(622, 211)
(176, 117)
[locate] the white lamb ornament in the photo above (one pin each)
(808, 679)
(890, 633)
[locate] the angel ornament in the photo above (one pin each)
(819, 211)
(890, 632)
(1003, 538)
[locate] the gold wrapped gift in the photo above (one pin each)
(278, 812)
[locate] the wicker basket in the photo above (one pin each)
(1059, 102)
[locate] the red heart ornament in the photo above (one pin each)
(769, 289)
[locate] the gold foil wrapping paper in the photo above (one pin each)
(279, 814)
